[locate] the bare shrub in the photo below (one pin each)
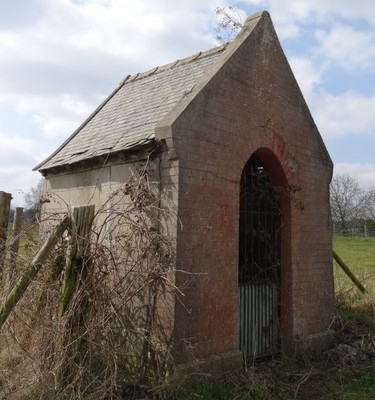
(230, 23)
(116, 327)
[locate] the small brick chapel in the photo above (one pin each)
(239, 154)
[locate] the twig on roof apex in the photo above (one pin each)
(230, 23)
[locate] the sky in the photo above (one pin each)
(59, 59)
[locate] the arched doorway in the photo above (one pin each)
(259, 260)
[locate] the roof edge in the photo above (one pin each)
(126, 80)
(257, 15)
(182, 61)
(129, 155)
(163, 130)
(88, 119)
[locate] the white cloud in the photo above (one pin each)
(56, 126)
(364, 172)
(347, 114)
(345, 8)
(54, 68)
(307, 73)
(293, 16)
(16, 152)
(286, 31)
(17, 181)
(121, 28)
(307, 11)
(57, 115)
(348, 47)
(16, 177)
(14, 143)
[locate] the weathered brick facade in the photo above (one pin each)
(249, 103)
(246, 102)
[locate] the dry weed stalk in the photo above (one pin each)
(116, 327)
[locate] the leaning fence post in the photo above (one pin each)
(17, 223)
(30, 272)
(5, 199)
(76, 266)
(348, 272)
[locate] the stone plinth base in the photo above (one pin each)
(292, 346)
(215, 367)
(228, 364)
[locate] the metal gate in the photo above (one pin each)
(259, 262)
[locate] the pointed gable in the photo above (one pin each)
(144, 107)
(250, 87)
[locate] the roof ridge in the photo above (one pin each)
(186, 60)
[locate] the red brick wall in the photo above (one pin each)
(251, 102)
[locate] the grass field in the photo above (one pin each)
(359, 254)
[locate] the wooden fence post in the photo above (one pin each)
(72, 341)
(30, 272)
(17, 223)
(76, 266)
(348, 272)
(5, 199)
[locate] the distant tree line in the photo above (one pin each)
(352, 207)
(32, 203)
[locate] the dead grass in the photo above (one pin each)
(345, 371)
(112, 330)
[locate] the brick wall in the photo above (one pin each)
(252, 101)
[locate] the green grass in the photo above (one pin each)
(289, 379)
(203, 390)
(29, 237)
(359, 254)
(361, 389)
(358, 251)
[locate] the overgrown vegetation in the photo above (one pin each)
(303, 379)
(110, 335)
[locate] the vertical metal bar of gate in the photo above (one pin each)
(259, 262)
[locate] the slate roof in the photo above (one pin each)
(128, 117)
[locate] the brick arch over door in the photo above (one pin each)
(273, 315)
